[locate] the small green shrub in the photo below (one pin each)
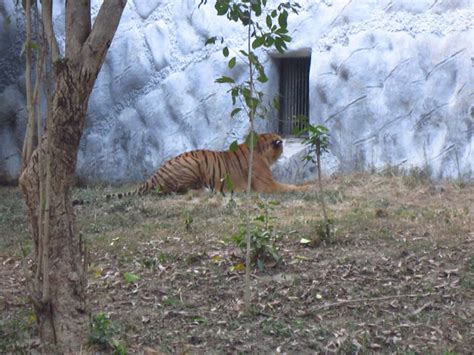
(188, 221)
(262, 236)
(15, 331)
(130, 278)
(317, 141)
(102, 334)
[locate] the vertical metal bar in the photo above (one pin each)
(303, 85)
(302, 97)
(300, 90)
(306, 94)
(290, 96)
(290, 106)
(281, 96)
(293, 96)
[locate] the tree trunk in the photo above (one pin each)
(61, 308)
(57, 285)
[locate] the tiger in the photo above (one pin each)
(208, 169)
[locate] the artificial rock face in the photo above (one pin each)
(393, 81)
(395, 87)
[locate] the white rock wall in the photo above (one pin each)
(393, 80)
(163, 99)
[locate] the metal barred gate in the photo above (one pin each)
(294, 94)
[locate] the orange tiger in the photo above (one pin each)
(199, 169)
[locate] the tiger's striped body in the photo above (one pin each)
(208, 169)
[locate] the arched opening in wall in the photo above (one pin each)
(293, 93)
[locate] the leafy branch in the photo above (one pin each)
(266, 28)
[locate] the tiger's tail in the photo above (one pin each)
(138, 191)
(150, 184)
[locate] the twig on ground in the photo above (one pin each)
(373, 299)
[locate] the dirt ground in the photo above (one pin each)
(165, 273)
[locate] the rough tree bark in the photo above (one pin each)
(58, 281)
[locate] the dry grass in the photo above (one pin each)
(397, 277)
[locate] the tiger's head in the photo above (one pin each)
(270, 146)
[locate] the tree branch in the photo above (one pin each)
(370, 299)
(96, 46)
(78, 26)
(27, 150)
(47, 12)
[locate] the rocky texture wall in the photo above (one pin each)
(393, 80)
